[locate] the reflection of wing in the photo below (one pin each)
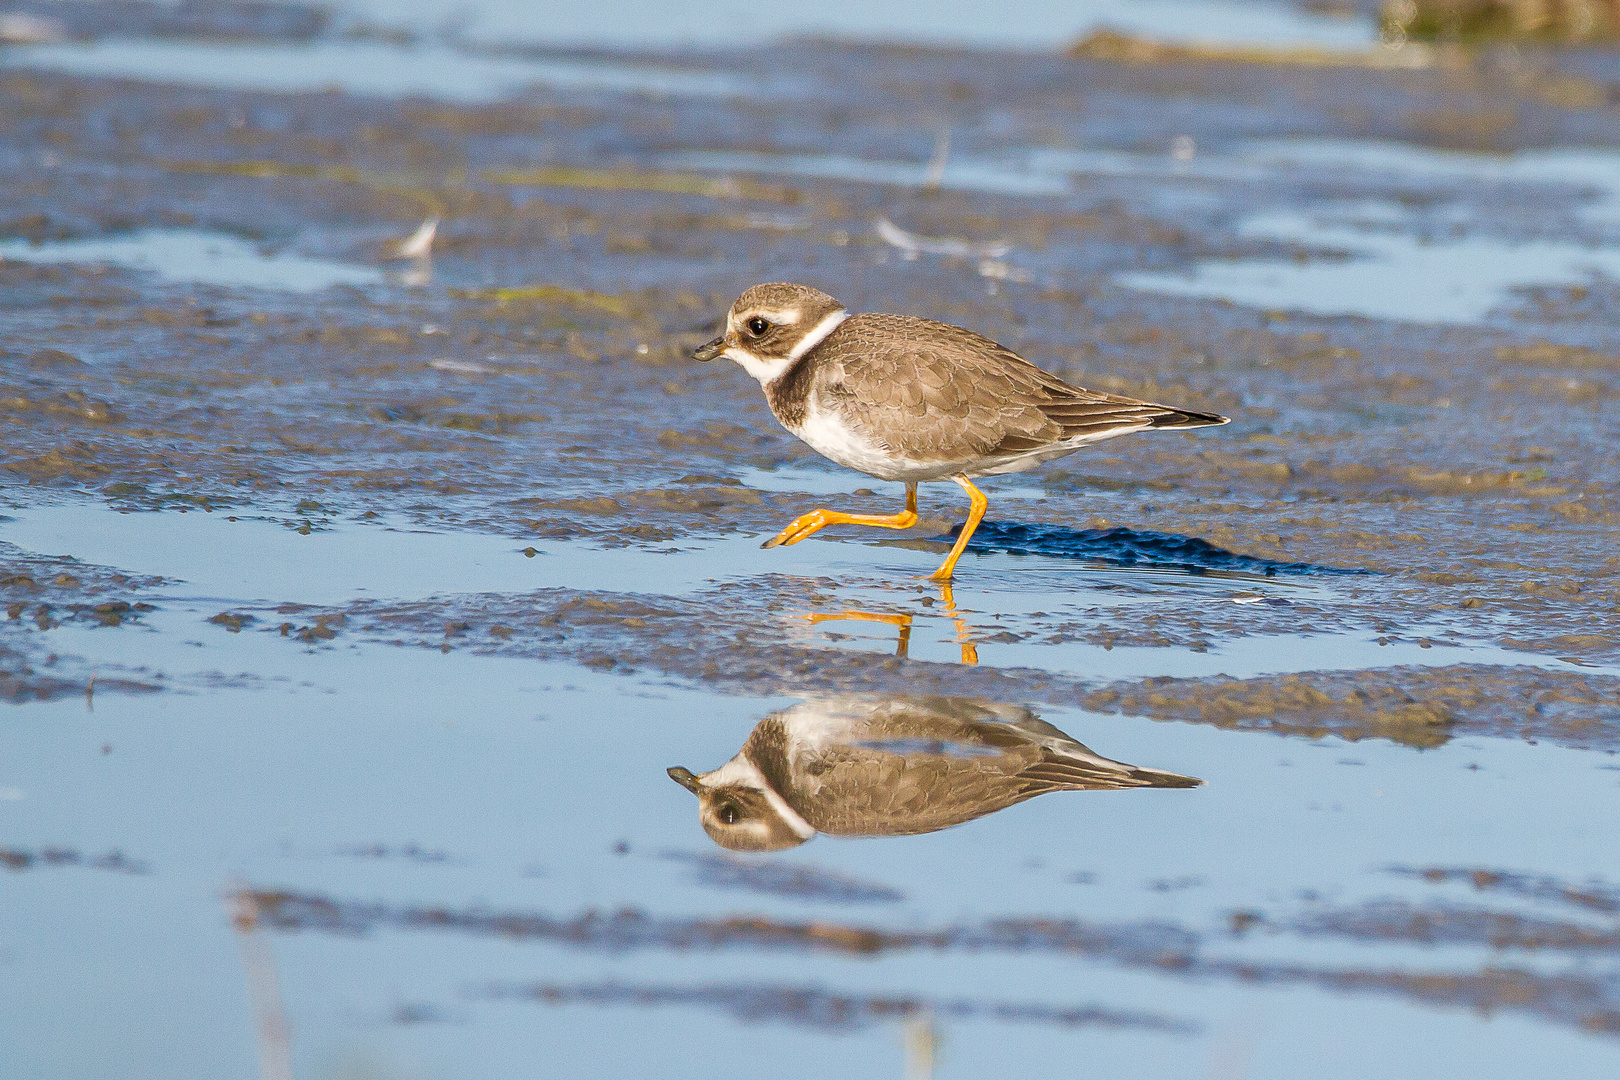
(855, 791)
(908, 765)
(1076, 773)
(1067, 764)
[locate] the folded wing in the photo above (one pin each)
(932, 391)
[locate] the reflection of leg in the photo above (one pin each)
(970, 652)
(976, 509)
(902, 621)
(858, 616)
(809, 524)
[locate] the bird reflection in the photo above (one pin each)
(970, 651)
(893, 766)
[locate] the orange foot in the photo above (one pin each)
(809, 524)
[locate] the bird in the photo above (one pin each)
(909, 399)
(893, 765)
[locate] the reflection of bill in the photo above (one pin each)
(893, 766)
(970, 652)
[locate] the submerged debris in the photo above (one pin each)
(1588, 1002)
(827, 1011)
(1597, 897)
(114, 860)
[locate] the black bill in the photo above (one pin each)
(685, 778)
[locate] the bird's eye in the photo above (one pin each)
(728, 815)
(757, 326)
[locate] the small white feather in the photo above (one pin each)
(419, 245)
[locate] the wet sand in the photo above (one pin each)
(384, 590)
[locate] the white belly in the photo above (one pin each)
(825, 432)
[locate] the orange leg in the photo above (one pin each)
(976, 509)
(809, 524)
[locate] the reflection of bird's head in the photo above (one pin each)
(739, 810)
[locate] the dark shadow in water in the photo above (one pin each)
(893, 766)
(793, 880)
(1120, 546)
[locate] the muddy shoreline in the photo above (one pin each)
(394, 585)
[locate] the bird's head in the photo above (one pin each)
(771, 326)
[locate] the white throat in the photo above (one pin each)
(767, 371)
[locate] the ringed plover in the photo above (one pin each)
(911, 400)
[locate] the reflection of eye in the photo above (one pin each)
(728, 815)
(757, 326)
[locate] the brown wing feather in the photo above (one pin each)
(930, 390)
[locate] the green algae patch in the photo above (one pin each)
(549, 294)
(1480, 21)
(1118, 47)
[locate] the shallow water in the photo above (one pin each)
(1591, 170)
(218, 560)
(379, 614)
(206, 258)
(1034, 25)
(358, 772)
(1381, 260)
(365, 68)
(479, 785)
(1384, 274)
(1395, 267)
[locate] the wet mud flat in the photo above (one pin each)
(316, 558)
